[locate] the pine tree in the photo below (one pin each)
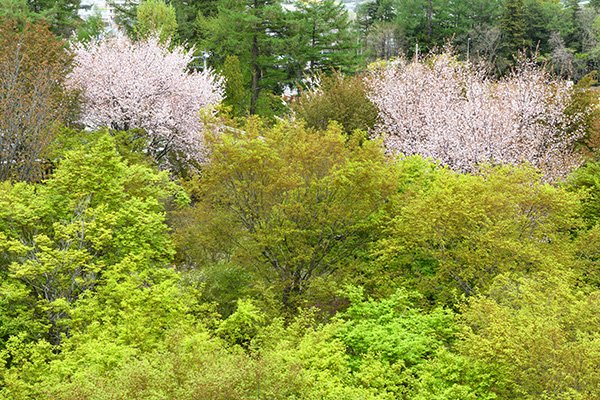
(60, 15)
(187, 14)
(326, 40)
(573, 37)
(255, 32)
(513, 28)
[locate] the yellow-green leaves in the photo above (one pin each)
(61, 239)
(455, 234)
(289, 203)
(541, 332)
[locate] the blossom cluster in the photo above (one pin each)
(146, 85)
(455, 113)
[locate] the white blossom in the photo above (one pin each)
(145, 85)
(455, 113)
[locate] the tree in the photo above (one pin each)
(400, 351)
(587, 179)
(338, 98)
(125, 15)
(573, 37)
(155, 17)
(33, 101)
(16, 10)
(369, 13)
(541, 331)
(325, 38)
(236, 94)
(95, 215)
(143, 85)
(61, 15)
(562, 58)
(254, 31)
(385, 40)
(451, 234)
(91, 29)
(453, 112)
(381, 35)
(514, 28)
(288, 203)
(543, 18)
(187, 13)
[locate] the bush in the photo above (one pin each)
(336, 98)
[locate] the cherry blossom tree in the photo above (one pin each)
(145, 85)
(456, 113)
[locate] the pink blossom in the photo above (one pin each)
(145, 85)
(456, 114)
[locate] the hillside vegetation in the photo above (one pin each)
(296, 219)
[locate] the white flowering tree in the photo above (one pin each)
(146, 86)
(455, 113)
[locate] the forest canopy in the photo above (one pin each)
(236, 200)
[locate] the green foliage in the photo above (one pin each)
(187, 12)
(587, 178)
(399, 351)
(276, 47)
(23, 365)
(241, 326)
(553, 348)
(451, 376)
(453, 236)
(92, 28)
(252, 31)
(221, 284)
(309, 264)
(95, 214)
(288, 203)
(514, 27)
(585, 102)
(588, 252)
(155, 17)
(236, 93)
(322, 37)
(125, 15)
(16, 10)
(394, 331)
(61, 15)
(336, 98)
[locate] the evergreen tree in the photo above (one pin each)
(236, 94)
(513, 26)
(125, 15)
(372, 12)
(60, 14)
(255, 32)
(573, 37)
(538, 17)
(325, 38)
(16, 10)
(187, 13)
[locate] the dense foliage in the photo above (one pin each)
(338, 98)
(33, 101)
(418, 230)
